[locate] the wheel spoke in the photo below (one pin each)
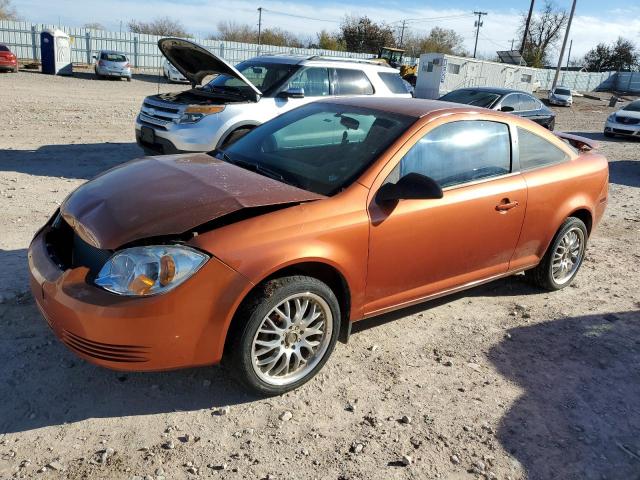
(292, 339)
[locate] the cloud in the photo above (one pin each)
(202, 16)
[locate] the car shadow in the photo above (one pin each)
(625, 172)
(514, 285)
(578, 416)
(82, 161)
(599, 136)
(43, 384)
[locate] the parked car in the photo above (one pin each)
(342, 209)
(561, 96)
(219, 112)
(624, 122)
(112, 64)
(171, 73)
(505, 100)
(8, 60)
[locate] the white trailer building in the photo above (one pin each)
(439, 73)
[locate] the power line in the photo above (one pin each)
(301, 16)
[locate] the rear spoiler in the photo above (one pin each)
(581, 143)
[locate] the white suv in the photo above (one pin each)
(237, 99)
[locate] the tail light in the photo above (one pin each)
(101, 63)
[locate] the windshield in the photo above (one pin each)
(562, 91)
(3, 48)
(319, 147)
(265, 76)
(113, 57)
(633, 106)
(471, 97)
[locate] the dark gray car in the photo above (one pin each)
(516, 102)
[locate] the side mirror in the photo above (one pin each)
(412, 186)
(293, 92)
(94, 57)
(506, 109)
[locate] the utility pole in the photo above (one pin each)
(526, 28)
(569, 55)
(564, 45)
(404, 25)
(259, 26)
(513, 40)
(477, 25)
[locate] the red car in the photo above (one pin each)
(8, 60)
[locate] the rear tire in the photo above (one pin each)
(563, 258)
(283, 334)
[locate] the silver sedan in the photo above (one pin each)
(625, 122)
(112, 64)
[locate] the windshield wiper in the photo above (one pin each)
(265, 171)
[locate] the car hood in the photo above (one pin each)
(168, 195)
(196, 62)
(627, 113)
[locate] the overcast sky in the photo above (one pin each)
(592, 24)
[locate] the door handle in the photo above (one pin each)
(506, 205)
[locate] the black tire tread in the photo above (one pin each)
(540, 275)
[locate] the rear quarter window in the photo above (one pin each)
(393, 81)
(537, 152)
(352, 82)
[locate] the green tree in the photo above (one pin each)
(363, 35)
(328, 41)
(622, 55)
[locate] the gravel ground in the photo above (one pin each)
(502, 381)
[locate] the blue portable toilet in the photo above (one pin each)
(55, 52)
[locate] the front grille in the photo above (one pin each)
(628, 120)
(68, 250)
(161, 108)
(155, 122)
(622, 132)
(106, 351)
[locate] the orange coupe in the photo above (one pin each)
(265, 253)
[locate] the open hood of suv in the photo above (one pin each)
(196, 62)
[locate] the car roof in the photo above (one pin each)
(113, 51)
(412, 107)
(498, 90)
(292, 59)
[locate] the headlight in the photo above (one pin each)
(141, 271)
(612, 118)
(195, 113)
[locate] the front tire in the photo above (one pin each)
(288, 330)
(609, 134)
(563, 258)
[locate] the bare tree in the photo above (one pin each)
(544, 33)
(241, 32)
(94, 26)
(163, 26)
(7, 12)
(440, 40)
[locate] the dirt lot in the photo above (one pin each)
(502, 381)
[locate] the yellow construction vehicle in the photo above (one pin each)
(394, 58)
